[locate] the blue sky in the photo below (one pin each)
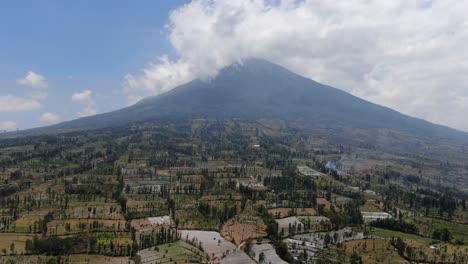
(76, 46)
(60, 60)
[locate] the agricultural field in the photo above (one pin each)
(289, 225)
(373, 251)
(74, 226)
(239, 230)
(13, 243)
(427, 226)
(146, 194)
(178, 252)
(286, 212)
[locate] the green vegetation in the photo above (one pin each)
(128, 192)
(395, 225)
(389, 234)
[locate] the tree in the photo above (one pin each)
(29, 247)
(327, 239)
(12, 248)
(355, 259)
(261, 257)
(442, 234)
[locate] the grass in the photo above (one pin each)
(389, 233)
(427, 225)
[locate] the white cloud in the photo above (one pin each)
(87, 111)
(8, 126)
(49, 118)
(84, 97)
(408, 55)
(11, 103)
(33, 80)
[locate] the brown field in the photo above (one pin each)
(381, 251)
(237, 232)
(23, 223)
(218, 201)
(19, 239)
(324, 202)
(140, 224)
(285, 212)
(439, 252)
(373, 251)
(40, 190)
(372, 206)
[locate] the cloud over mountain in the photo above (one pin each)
(408, 55)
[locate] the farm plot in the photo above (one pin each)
(219, 201)
(178, 252)
(373, 251)
(90, 210)
(317, 223)
(193, 219)
(145, 187)
(113, 243)
(237, 230)
(191, 179)
(151, 207)
(341, 200)
(438, 252)
(371, 206)
(268, 251)
(211, 242)
(323, 202)
(289, 225)
(30, 222)
(427, 226)
(75, 226)
(16, 239)
(185, 201)
(285, 212)
(151, 223)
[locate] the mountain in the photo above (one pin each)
(259, 89)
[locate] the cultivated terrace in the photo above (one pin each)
(221, 191)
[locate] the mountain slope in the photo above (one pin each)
(259, 89)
